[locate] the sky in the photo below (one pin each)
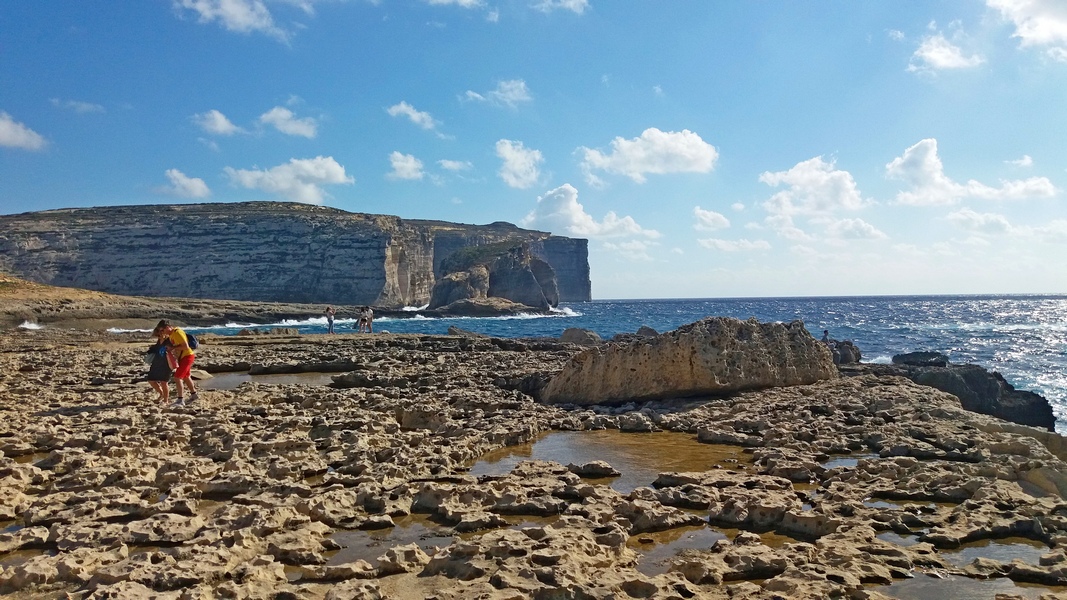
(705, 149)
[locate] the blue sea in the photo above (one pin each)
(1022, 337)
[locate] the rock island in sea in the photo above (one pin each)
(819, 486)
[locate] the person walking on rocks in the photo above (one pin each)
(329, 319)
(184, 356)
(159, 371)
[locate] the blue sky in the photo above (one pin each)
(706, 149)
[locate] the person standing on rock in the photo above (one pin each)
(366, 319)
(184, 356)
(329, 319)
(159, 371)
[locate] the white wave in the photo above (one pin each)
(882, 359)
(30, 325)
(121, 330)
(415, 308)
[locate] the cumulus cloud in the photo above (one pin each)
(1025, 161)
(709, 220)
(16, 135)
(734, 245)
(242, 16)
(1053, 232)
(655, 151)
(420, 118)
(286, 122)
(455, 165)
(852, 229)
(970, 220)
(813, 187)
(459, 3)
(921, 168)
(521, 168)
(575, 6)
(559, 211)
(299, 180)
(184, 186)
(510, 93)
(216, 123)
(405, 166)
(816, 190)
(77, 106)
(936, 53)
(631, 249)
(1038, 23)
(737, 206)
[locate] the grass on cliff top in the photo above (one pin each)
(465, 258)
(14, 288)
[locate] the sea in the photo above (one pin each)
(1023, 337)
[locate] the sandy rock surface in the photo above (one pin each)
(271, 491)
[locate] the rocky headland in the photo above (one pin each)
(279, 252)
(829, 487)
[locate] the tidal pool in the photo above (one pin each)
(924, 587)
(846, 460)
(639, 457)
(657, 549)
(1004, 550)
(229, 381)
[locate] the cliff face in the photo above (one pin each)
(268, 251)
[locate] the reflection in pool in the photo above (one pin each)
(925, 587)
(639, 457)
(1003, 550)
(229, 381)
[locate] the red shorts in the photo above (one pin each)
(185, 365)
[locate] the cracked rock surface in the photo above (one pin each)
(257, 491)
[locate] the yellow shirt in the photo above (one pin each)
(177, 338)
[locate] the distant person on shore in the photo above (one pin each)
(825, 337)
(184, 356)
(366, 320)
(832, 345)
(159, 370)
(329, 319)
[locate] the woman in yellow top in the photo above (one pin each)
(183, 356)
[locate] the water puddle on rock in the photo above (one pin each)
(229, 381)
(369, 545)
(639, 457)
(846, 460)
(895, 538)
(33, 458)
(1003, 550)
(924, 587)
(659, 548)
(18, 557)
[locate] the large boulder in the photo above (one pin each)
(512, 273)
(978, 389)
(713, 356)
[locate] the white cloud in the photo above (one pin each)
(576, 6)
(286, 122)
(1053, 232)
(299, 180)
(737, 206)
(405, 166)
(521, 166)
(455, 165)
(422, 119)
(77, 106)
(852, 229)
(936, 53)
(631, 249)
(184, 186)
(459, 3)
(655, 151)
(215, 122)
(559, 211)
(709, 220)
(510, 93)
(970, 220)
(1038, 23)
(895, 34)
(815, 187)
(1025, 161)
(920, 166)
(734, 245)
(16, 135)
(242, 16)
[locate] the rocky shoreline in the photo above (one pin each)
(255, 491)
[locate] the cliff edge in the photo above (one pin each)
(261, 251)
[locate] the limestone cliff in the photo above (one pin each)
(267, 251)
